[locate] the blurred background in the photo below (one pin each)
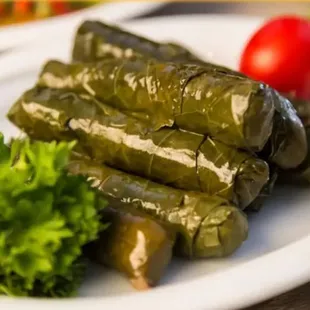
(22, 11)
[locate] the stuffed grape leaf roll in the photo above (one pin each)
(207, 226)
(301, 174)
(265, 193)
(134, 244)
(177, 158)
(287, 146)
(302, 108)
(236, 111)
(95, 41)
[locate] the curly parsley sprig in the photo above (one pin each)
(46, 217)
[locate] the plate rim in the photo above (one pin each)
(18, 34)
(176, 296)
(205, 292)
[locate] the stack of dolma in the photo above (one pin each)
(187, 144)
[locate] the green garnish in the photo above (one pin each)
(46, 217)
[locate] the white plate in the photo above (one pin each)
(111, 11)
(274, 259)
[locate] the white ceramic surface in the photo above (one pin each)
(274, 259)
(113, 11)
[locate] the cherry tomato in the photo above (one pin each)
(279, 55)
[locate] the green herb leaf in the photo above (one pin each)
(46, 217)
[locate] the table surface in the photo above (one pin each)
(298, 299)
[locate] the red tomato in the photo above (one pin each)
(279, 55)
